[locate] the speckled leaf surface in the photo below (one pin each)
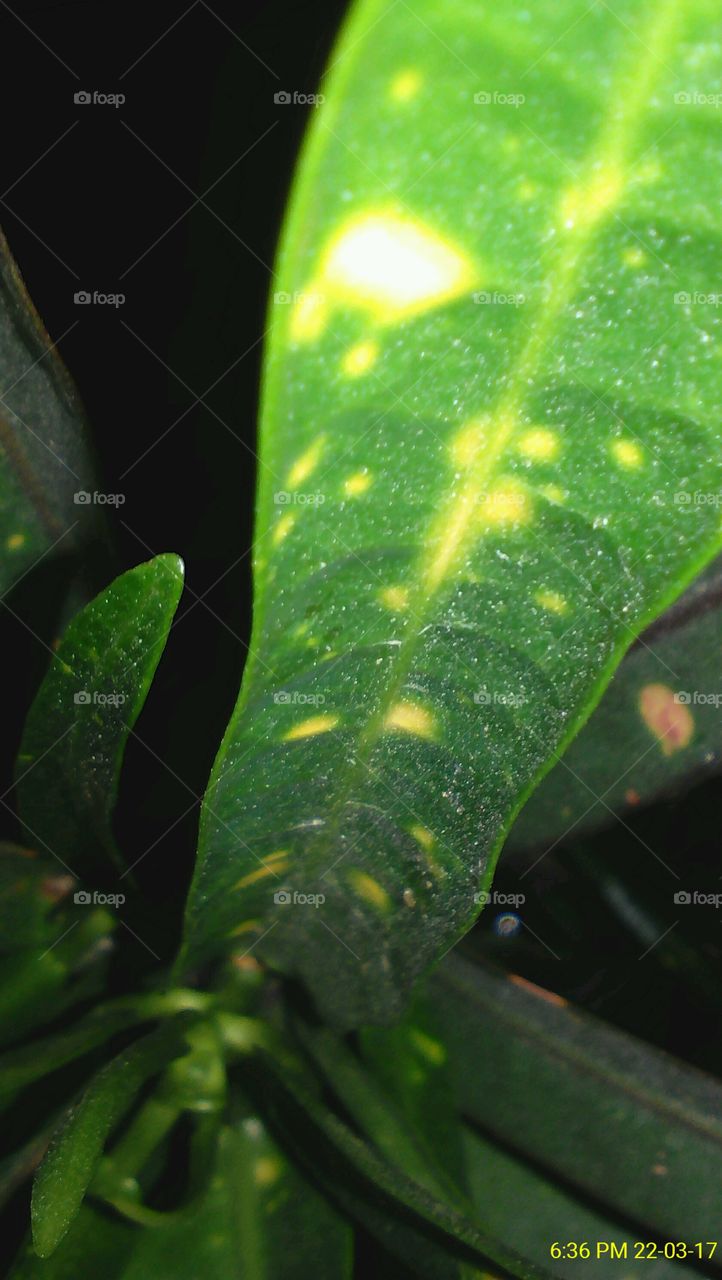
(77, 728)
(657, 730)
(44, 452)
(494, 367)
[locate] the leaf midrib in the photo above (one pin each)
(455, 529)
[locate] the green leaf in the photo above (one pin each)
(466, 508)
(92, 695)
(63, 1177)
(44, 444)
(259, 1221)
(426, 1232)
(517, 1202)
(657, 729)
(643, 1124)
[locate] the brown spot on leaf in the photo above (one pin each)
(670, 721)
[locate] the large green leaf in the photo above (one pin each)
(619, 1120)
(44, 445)
(467, 507)
(657, 729)
(76, 731)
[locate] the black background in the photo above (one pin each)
(98, 197)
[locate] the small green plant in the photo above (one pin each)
(486, 613)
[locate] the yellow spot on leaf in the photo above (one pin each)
(396, 598)
(429, 1048)
(554, 493)
(267, 1170)
(370, 890)
(669, 720)
(247, 927)
(634, 256)
(357, 484)
(308, 318)
(539, 444)
(389, 265)
(306, 464)
(405, 85)
(284, 527)
(552, 601)
(507, 504)
(423, 836)
(311, 728)
(272, 866)
(627, 454)
(468, 443)
(15, 541)
(359, 359)
(409, 717)
(527, 190)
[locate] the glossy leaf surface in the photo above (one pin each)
(94, 690)
(493, 370)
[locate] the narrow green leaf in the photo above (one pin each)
(517, 1202)
(643, 1124)
(493, 376)
(44, 446)
(63, 1177)
(75, 734)
(657, 729)
(425, 1231)
(259, 1221)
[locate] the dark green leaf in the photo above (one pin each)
(618, 1119)
(43, 439)
(657, 729)
(63, 1177)
(467, 508)
(75, 735)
